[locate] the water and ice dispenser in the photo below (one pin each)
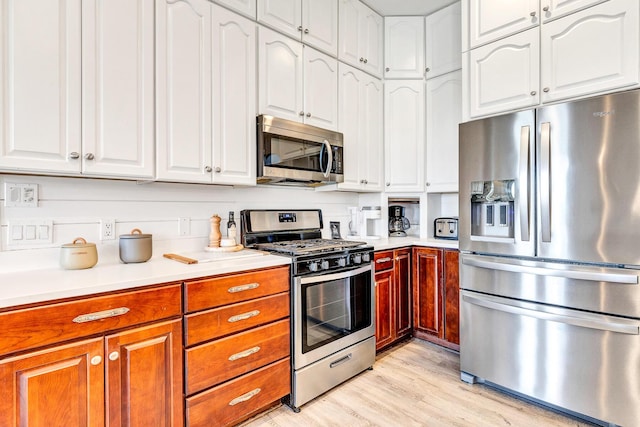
(492, 209)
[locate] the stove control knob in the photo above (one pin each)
(366, 257)
(342, 262)
(324, 264)
(357, 258)
(313, 266)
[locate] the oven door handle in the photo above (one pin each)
(334, 276)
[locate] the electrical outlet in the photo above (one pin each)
(184, 226)
(107, 229)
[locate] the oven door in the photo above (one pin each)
(331, 312)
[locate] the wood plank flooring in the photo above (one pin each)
(414, 384)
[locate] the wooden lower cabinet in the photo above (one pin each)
(435, 296)
(393, 296)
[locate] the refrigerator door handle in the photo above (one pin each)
(576, 273)
(523, 193)
(566, 316)
(545, 182)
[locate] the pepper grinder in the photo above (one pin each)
(215, 235)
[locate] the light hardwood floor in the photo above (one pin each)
(414, 384)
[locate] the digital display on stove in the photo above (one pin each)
(287, 217)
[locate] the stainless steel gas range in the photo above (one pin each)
(332, 298)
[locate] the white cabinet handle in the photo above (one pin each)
(242, 288)
(243, 316)
(244, 397)
(114, 355)
(99, 315)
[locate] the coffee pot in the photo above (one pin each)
(398, 223)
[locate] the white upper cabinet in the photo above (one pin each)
(234, 99)
(118, 115)
(443, 41)
(296, 82)
(360, 112)
(552, 9)
(245, 7)
(504, 75)
(444, 114)
(404, 137)
(315, 22)
(403, 47)
(490, 20)
(183, 96)
(205, 94)
(610, 30)
(360, 32)
(40, 98)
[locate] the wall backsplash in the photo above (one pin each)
(76, 206)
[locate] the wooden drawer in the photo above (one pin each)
(383, 260)
(218, 361)
(235, 400)
(54, 323)
(229, 289)
(211, 324)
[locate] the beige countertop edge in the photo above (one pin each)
(35, 286)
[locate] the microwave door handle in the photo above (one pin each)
(545, 182)
(326, 145)
(523, 193)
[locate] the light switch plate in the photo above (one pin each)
(20, 195)
(29, 233)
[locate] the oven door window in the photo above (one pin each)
(334, 309)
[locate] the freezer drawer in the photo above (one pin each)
(584, 362)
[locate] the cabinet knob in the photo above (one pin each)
(533, 93)
(546, 8)
(361, 59)
(387, 69)
(546, 89)
(207, 169)
(388, 184)
(308, 114)
(218, 170)
(114, 355)
(426, 70)
(366, 60)
(533, 13)
(428, 184)
(96, 360)
(366, 181)
(74, 155)
(306, 31)
(300, 28)
(89, 156)
(301, 113)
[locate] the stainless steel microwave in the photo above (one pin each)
(295, 153)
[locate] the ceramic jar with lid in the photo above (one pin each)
(135, 247)
(78, 255)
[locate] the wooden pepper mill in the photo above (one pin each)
(215, 235)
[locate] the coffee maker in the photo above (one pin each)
(398, 223)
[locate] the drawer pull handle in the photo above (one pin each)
(341, 360)
(242, 288)
(244, 397)
(243, 316)
(99, 315)
(381, 260)
(244, 354)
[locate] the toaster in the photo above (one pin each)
(446, 228)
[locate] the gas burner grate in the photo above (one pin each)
(299, 247)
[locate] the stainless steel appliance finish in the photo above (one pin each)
(295, 153)
(445, 228)
(332, 298)
(548, 234)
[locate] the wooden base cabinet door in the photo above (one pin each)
(402, 263)
(384, 309)
(58, 387)
(451, 297)
(144, 376)
(427, 288)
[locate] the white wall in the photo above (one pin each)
(76, 206)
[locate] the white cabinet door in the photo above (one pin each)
(371, 34)
(320, 24)
(118, 88)
(245, 7)
(552, 9)
(279, 76)
(443, 41)
(404, 47)
(234, 99)
(40, 98)
(284, 15)
(404, 137)
(320, 89)
(490, 20)
(444, 114)
(360, 121)
(504, 75)
(183, 91)
(610, 31)
(349, 39)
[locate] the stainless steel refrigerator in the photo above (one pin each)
(549, 234)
